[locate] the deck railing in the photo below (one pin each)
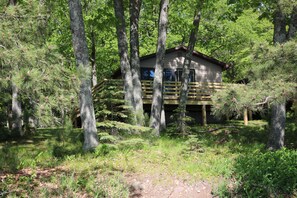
(199, 93)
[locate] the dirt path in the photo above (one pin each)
(161, 186)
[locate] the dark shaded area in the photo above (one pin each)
(60, 143)
(193, 111)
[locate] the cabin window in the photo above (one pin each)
(179, 73)
(169, 75)
(147, 73)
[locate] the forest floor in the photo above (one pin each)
(51, 163)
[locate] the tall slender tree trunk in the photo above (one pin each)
(186, 70)
(278, 110)
(93, 59)
(16, 109)
(135, 6)
(156, 108)
(123, 51)
(82, 61)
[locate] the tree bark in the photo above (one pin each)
(245, 117)
(277, 128)
(16, 109)
(93, 59)
(135, 6)
(186, 70)
(293, 24)
(123, 51)
(157, 100)
(12, 2)
(280, 33)
(278, 110)
(82, 61)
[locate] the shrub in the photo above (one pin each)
(132, 144)
(105, 149)
(270, 174)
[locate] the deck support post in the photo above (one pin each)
(245, 116)
(250, 115)
(204, 119)
(163, 119)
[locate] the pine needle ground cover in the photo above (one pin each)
(51, 163)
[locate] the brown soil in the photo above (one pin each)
(161, 186)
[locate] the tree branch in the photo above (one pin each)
(265, 102)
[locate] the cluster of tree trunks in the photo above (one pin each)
(130, 71)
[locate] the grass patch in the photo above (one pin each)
(52, 163)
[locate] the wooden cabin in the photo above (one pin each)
(205, 78)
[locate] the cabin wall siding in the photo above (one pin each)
(205, 71)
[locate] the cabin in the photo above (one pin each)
(205, 78)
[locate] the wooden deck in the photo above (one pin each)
(199, 93)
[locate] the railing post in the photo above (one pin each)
(204, 118)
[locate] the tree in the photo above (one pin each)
(135, 6)
(157, 100)
(272, 80)
(278, 110)
(16, 107)
(186, 69)
(33, 66)
(82, 62)
(123, 51)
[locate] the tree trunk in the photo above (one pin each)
(135, 6)
(157, 100)
(279, 34)
(93, 59)
(16, 109)
(12, 2)
(82, 61)
(278, 110)
(293, 24)
(123, 51)
(277, 128)
(186, 71)
(245, 117)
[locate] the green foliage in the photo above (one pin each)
(110, 104)
(193, 144)
(33, 65)
(111, 112)
(270, 174)
(108, 143)
(273, 81)
(132, 144)
(68, 141)
(174, 127)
